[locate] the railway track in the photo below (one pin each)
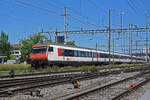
(112, 91)
(13, 83)
(14, 86)
(23, 81)
(41, 73)
(102, 72)
(31, 83)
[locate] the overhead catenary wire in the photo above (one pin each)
(138, 7)
(75, 19)
(85, 23)
(142, 2)
(20, 19)
(100, 9)
(37, 7)
(133, 8)
(47, 10)
(77, 12)
(97, 7)
(48, 3)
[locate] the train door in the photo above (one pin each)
(99, 57)
(51, 53)
(119, 56)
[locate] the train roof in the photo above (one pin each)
(75, 47)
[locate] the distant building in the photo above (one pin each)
(2, 59)
(16, 51)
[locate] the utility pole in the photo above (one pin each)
(146, 45)
(96, 51)
(130, 41)
(109, 34)
(136, 47)
(65, 25)
(147, 41)
(121, 13)
(113, 49)
(56, 39)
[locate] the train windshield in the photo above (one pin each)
(39, 49)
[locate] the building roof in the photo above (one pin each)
(16, 45)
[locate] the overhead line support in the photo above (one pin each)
(109, 34)
(104, 31)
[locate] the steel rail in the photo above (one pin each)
(131, 90)
(85, 76)
(41, 73)
(7, 81)
(62, 81)
(43, 84)
(19, 82)
(78, 95)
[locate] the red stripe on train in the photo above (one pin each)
(60, 52)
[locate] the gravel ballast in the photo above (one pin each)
(50, 93)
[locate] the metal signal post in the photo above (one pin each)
(109, 34)
(65, 25)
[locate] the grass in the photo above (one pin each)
(6, 67)
(22, 68)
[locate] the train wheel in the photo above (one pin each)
(61, 65)
(45, 66)
(33, 65)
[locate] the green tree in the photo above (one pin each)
(12, 57)
(5, 46)
(29, 42)
(72, 43)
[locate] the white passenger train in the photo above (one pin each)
(58, 54)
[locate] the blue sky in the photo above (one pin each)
(20, 18)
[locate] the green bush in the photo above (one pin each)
(94, 70)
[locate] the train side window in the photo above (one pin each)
(78, 53)
(87, 54)
(68, 52)
(102, 55)
(107, 55)
(75, 53)
(81, 53)
(65, 52)
(91, 54)
(84, 54)
(71, 53)
(116, 56)
(50, 49)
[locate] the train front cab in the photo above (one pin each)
(39, 55)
